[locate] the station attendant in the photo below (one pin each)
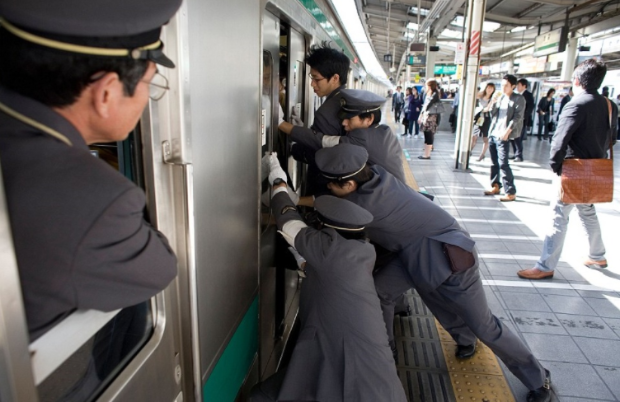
(435, 256)
(342, 353)
(360, 113)
(78, 225)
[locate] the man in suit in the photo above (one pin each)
(398, 102)
(517, 143)
(329, 69)
(419, 233)
(565, 100)
(342, 353)
(506, 123)
(78, 225)
(584, 131)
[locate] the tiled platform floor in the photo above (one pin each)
(571, 322)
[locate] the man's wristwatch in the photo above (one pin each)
(278, 181)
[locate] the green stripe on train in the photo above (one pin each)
(227, 377)
(318, 15)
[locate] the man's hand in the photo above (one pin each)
(507, 134)
(265, 166)
(296, 120)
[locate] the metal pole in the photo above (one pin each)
(468, 96)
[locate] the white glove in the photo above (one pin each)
(292, 195)
(296, 120)
(265, 166)
(273, 161)
(277, 173)
(301, 261)
(280, 115)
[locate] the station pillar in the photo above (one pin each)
(430, 56)
(465, 120)
(568, 65)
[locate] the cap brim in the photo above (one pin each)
(157, 56)
(343, 114)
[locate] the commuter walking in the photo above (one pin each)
(517, 143)
(545, 112)
(507, 119)
(429, 116)
(585, 130)
(565, 100)
(482, 119)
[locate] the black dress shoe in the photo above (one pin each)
(465, 351)
(542, 394)
(406, 313)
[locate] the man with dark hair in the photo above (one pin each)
(68, 80)
(398, 101)
(435, 256)
(565, 100)
(342, 353)
(585, 129)
(506, 123)
(361, 114)
(517, 143)
(329, 69)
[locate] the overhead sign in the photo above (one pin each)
(459, 54)
(417, 47)
(387, 58)
(551, 42)
(414, 60)
(448, 69)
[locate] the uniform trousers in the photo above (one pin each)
(554, 240)
(500, 169)
(460, 304)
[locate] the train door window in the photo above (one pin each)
(80, 356)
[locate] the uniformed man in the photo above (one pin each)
(435, 256)
(329, 69)
(361, 116)
(342, 353)
(71, 76)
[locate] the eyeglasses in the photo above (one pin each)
(316, 79)
(158, 86)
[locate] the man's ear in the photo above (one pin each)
(350, 186)
(335, 77)
(104, 91)
(369, 120)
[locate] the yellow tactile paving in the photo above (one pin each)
(479, 379)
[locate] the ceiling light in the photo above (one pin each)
(518, 29)
(412, 25)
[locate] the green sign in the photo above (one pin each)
(447, 69)
(414, 60)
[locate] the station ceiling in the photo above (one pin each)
(509, 24)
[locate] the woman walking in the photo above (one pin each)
(545, 112)
(406, 112)
(482, 119)
(428, 116)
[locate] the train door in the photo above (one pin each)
(269, 122)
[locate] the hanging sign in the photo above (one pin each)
(551, 42)
(414, 60)
(459, 54)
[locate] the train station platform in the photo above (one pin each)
(571, 322)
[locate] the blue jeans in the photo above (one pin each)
(417, 127)
(501, 169)
(554, 240)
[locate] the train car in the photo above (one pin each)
(225, 322)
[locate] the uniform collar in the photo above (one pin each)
(40, 113)
(335, 92)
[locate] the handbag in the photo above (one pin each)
(588, 181)
(437, 108)
(459, 259)
(551, 126)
